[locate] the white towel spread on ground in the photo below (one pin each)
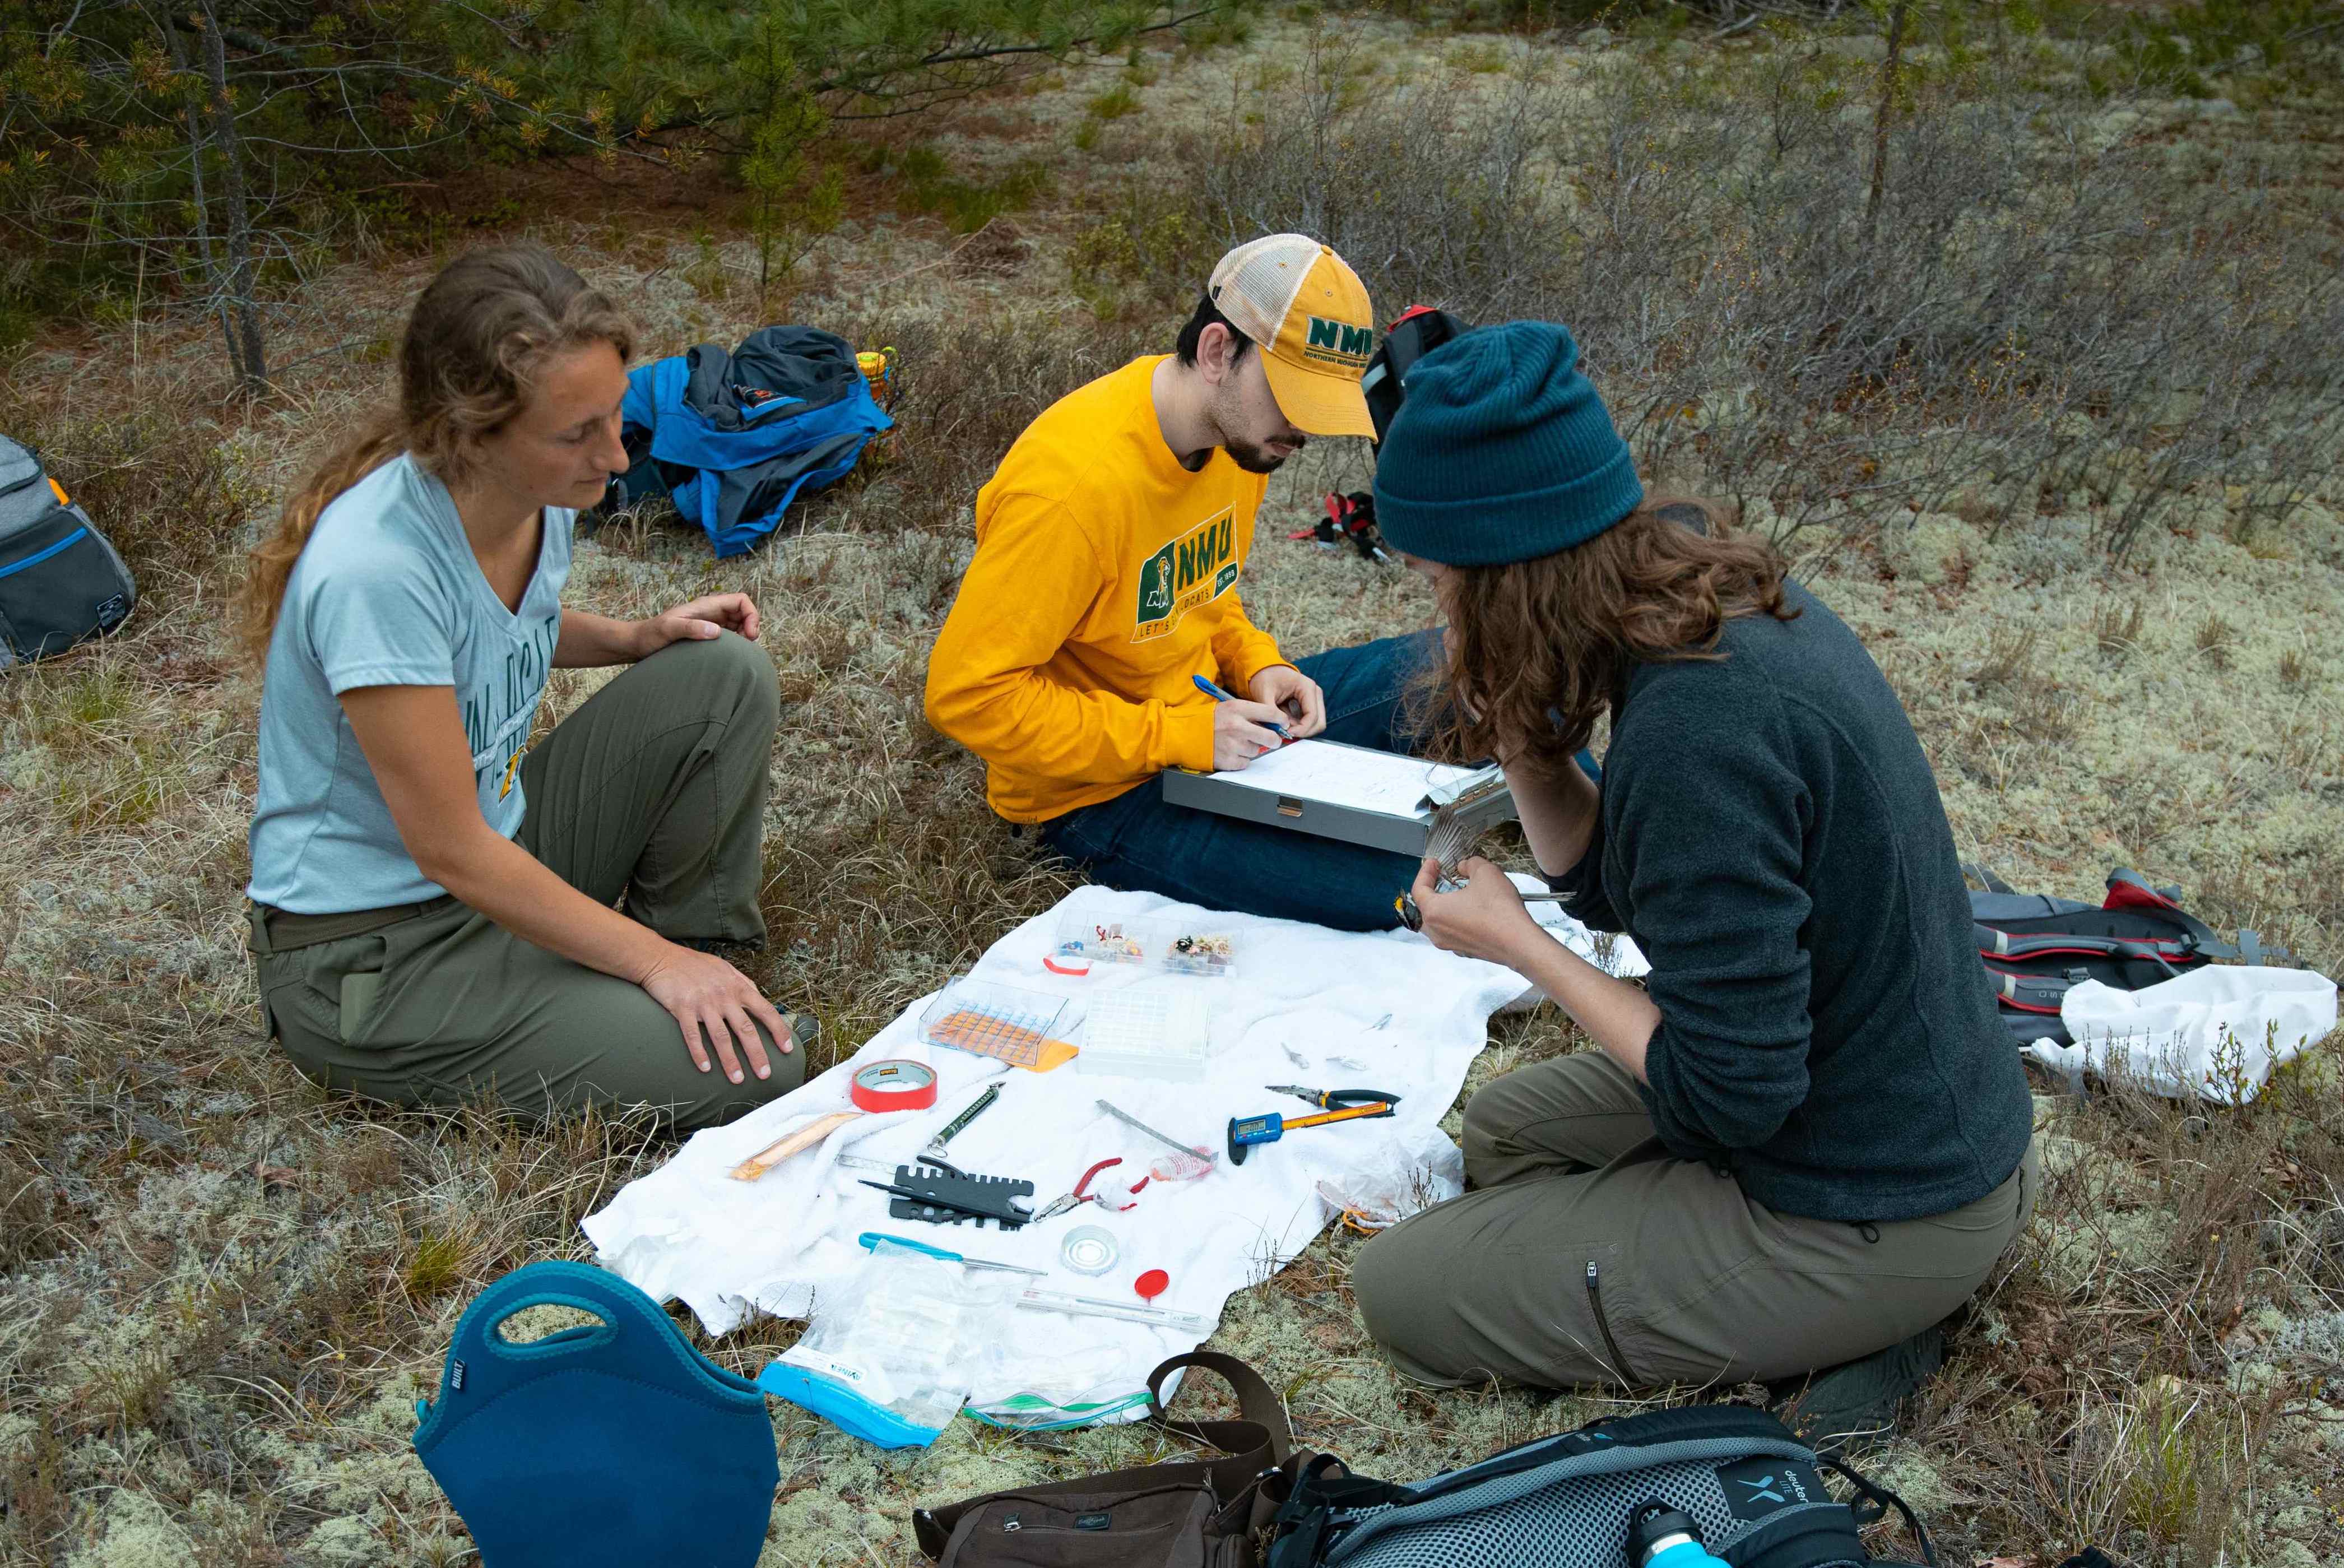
(728, 1248)
(2214, 1034)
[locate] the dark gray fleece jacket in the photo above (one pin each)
(1772, 838)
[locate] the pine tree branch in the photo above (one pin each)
(848, 83)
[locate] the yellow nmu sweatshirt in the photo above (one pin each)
(1105, 578)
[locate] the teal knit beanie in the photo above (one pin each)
(1502, 451)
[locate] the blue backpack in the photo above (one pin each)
(612, 1443)
(733, 437)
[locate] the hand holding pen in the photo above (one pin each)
(1242, 731)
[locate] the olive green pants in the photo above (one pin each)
(653, 792)
(1589, 1255)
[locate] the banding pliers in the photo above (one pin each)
(1332, 1099)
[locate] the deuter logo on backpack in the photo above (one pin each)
(1755, 1488)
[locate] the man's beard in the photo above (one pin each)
(1227, 410)
(1254, 458)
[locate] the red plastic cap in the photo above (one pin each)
(1152, 1284)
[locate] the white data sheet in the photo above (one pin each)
(1353, 777)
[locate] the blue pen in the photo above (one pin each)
(1220, 696)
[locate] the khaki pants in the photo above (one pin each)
(1589, 1255)
(654, 789)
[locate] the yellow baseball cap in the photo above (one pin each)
(1308, 312)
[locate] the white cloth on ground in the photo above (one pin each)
(2214, 1034)
(727, 1249)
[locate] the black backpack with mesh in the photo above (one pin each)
(1752, 1492)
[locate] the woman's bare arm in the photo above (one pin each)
(1487, 920)
(413, 739)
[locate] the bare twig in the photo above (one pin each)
(1888, 73)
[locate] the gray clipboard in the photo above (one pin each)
(1480, 803)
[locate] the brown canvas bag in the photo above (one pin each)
(1200, 1513)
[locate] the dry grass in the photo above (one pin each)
(2117, 627)
(219, 1292)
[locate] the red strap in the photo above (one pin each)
(2127, 890)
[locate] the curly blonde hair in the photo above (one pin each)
(478, 334)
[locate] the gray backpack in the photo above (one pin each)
(1747, 1489)
(60, 580)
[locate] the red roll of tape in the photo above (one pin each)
(893, 1085)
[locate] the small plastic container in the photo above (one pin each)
(985, 1018)
(1166, 947)
(1145, 1032)
(1198, 953)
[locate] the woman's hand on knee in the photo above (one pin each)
(1485, 919)
(698, 620)
(703, 993)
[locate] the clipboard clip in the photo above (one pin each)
(1473, 788)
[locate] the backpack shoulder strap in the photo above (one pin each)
(1258, 1440)
(1878, 1501)
(1316, 1490)
(2131, 890)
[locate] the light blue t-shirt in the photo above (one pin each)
(387, 592)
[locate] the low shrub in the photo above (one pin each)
(2033, 309)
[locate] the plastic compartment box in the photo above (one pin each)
(985, 1018)
(1166, 947)
(1147, 1032)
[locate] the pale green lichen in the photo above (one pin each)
(134, 1531)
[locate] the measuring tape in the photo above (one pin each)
(894, 1085)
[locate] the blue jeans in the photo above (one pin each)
(1136, 840)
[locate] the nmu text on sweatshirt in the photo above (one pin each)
(1105, 578)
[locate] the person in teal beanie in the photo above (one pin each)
(1501, 452)
(1802, 1143)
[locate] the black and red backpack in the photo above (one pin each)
(2036, 947)
(1418, 331)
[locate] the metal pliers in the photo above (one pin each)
(1332, 1099)
(1082, 1193)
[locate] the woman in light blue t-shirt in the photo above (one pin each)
(447, 904)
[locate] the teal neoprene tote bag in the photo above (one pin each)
(613, 1442)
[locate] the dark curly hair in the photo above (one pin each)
(1538, 649)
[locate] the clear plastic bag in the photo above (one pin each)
(890, 1357)
(1082, 1386)
(1396, 1181)
(1170, 947)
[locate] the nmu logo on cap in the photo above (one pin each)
(1310, 315)
(1339, 341)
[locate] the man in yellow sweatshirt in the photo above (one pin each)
(1109, 544)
